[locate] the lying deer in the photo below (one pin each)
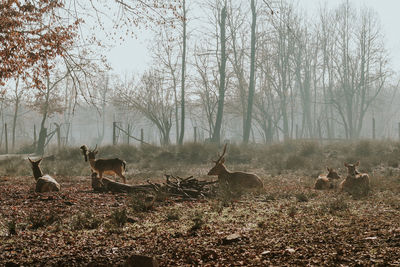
(104, 166)
(326, 181)
(355, 182)
(235, 180)
(44, 183)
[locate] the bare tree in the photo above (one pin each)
(151, 98)
(222, 74)
(247, 126)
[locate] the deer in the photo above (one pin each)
(355, 182)
(235, 180)
(326, 181)
(104, 166)
(44, 183)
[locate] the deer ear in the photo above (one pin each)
(327, 168)
(30, 160)
(357, 163)
(96, 152)
(39, 161)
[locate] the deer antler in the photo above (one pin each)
(95, 148)
(223, 154)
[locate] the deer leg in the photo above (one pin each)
(101, 178)
(122, 176)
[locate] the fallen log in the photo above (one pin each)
(186, 188)
(108, 185)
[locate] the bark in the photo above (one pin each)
(247, 127)
(222, 72)
(183, 79)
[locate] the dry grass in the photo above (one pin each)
(290, 224)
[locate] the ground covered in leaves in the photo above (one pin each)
(291, 224)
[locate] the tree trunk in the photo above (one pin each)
(218, 123)
(247, 127)
(42, 136)
(15, 122)
(182, 133)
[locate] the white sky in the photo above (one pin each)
(133, 56)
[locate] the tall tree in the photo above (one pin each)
(247, 126)
(183, 73)
(216, 138)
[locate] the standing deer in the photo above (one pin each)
(44, 183)
(356, 183)
(235, 180)
(104, 166)
(326, 181)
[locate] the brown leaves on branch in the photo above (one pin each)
(32, 34)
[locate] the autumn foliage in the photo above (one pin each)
(32, 34)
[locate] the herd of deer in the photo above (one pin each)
(355, 182)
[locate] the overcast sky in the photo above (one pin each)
(132, 55)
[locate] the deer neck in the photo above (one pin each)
(37, 173)
(92, 162)
(224, 172)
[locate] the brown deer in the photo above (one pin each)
(104, 166)
(326, 181)
(356, 183)
(44, 183)
(235, 180)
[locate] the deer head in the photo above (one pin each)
(332, 174)
(351, 168)
(219, 164)
(87, 153)
(37, 172)
(92, 153)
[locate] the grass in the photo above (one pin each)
(276, 158)
(290, 214)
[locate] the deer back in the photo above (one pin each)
(242, 180)
(46, 183)
(356, 184)
(109, 166)
(322, 183)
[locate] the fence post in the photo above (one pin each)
(6, 136)
(114, 137)
(195, 134)
(58, 137)
(373, 128)
(34, 137)
(128, 133)
(399, 129)
(319, 130)
(141, 136)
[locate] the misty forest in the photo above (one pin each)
(257, 133)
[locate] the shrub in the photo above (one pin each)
(12, 227)
(309, 148)
(140, 202)
(292, 211)
(119, 217)
(198, 221)
(196, 152)
(363, 149)
(335, 205)
(294, 162)
(301, 197)
(173, 215)
(85, 220)
(39, 219)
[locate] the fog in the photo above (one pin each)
(323, 70)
